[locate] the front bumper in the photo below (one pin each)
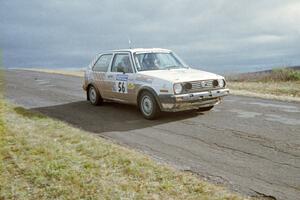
(173, 103)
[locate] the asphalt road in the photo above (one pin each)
(249, 144)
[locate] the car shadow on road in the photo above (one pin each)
(108, 117)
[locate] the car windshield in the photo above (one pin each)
(157, 61)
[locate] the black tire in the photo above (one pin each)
(148, 105)
(94, 96)
(205, 109)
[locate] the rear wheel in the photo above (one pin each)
(94, 96)
(205, 108)
(148, 106)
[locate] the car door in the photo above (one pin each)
(100, 69)
(121, 77)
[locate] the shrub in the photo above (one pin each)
(284, 74)
(279, 74)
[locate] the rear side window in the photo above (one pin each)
(103, 63)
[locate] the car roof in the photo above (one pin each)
(138, 50)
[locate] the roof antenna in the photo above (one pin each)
(129, 43)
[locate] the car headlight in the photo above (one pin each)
(177, 88)
(216, 83)
(221, 83)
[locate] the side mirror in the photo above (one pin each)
(121, 69)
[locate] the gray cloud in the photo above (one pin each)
(219, 35)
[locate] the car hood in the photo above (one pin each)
(181, 75)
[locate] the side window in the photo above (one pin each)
(103, 63)
(121, 63)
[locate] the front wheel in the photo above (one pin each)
(148, 105)
(205, 109)
(94, 96)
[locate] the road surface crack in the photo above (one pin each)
(222, 147)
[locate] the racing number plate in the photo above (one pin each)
(121, 83)
(121, 86)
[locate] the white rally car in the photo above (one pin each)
(153, 79)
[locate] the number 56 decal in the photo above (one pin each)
(121, 86)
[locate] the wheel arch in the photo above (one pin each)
(87, 90)
(152, 91)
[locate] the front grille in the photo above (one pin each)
(198, 86)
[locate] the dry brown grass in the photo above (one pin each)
(275, 75)
(281, 84)
(283, 90)
(78, 73)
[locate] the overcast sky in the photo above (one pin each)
(219, 35)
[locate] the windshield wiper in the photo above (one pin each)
(172, 66)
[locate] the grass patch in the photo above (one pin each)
(2, 128)
(27, 113)
(288, 89)
(283, 83)
(42, 158)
